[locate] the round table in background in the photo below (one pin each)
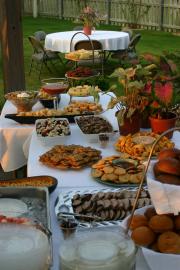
(111, 40)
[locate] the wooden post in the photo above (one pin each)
(12, 45)
(161, 14)
(35, 8)
(108, 8)
(60, 9)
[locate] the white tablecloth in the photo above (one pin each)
(12, 138)
(111, 40)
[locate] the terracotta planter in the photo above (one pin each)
(131, 125)
(87, 30)
(161, 125)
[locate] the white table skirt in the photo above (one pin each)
(111, 40)
(12, 138)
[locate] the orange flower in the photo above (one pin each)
(155, 104)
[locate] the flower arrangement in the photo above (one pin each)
(89, 17)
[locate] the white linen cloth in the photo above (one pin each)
(111, 40)
(12, 137)
(165, 197)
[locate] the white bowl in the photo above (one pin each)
(93, 138)
(55, 140)
(156, 260)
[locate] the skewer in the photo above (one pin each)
(144, 176)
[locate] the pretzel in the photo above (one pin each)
(141, 150)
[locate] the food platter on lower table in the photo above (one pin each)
(108, 206)
(32, 119)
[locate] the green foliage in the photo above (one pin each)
(152, 41)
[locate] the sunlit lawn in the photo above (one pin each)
(152, 41)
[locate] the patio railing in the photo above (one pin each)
(147, 14)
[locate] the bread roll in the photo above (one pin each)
(143, 236)
(161, 223)
(169, 242)
(138, 221)
(173, 152)
(167, 165)
(168, 179)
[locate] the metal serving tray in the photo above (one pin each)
(37, 200)
(63, 201)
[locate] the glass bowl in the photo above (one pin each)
(106, 248)
(55, 86)
(23, 243)
(22, 100)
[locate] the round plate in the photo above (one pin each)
(116, 185)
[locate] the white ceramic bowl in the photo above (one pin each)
(52, 140)
(93, 138)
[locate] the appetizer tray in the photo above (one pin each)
(117, 203)
(34, 182)
(36, 200)
(32, 119)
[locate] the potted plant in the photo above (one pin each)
(128, 99)
(162, 117)
(166, 70)
(90, 18)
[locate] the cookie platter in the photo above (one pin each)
(110, 205)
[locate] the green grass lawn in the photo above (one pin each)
(152, 41)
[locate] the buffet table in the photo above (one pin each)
(111, 40)
(74, 180)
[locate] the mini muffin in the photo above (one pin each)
(177, 222)
(169, 242)
(150, 212)
(161, 223)
(138, 221)
(143, 236)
